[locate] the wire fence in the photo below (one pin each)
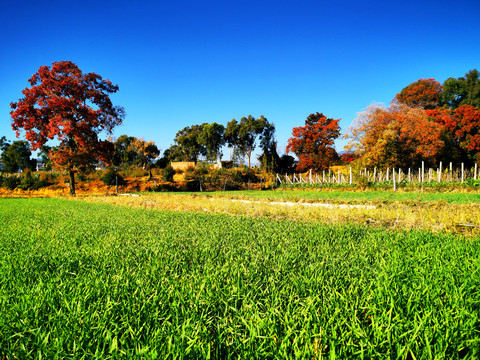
(349, 176)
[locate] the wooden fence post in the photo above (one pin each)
(451, 172)
(475, 175)
(440, 173)
(409, 175)
(393, 177)
(462, 172)
(423, 172)
(351, 174)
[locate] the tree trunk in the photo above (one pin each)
(72, 182)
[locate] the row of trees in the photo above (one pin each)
(207, 140)
(426, 121)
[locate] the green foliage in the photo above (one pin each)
(26, 181)
(167, 173)
(17, 156)
(243, 135)
(134, 171)
(188, 146)
(112, 178)
(96, 281)
(212, 138)
(132, 151)
(462, 91)
(221, 179)
(12, 182)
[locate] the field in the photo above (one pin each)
(130, 277)
(449, 212)
(342, 196)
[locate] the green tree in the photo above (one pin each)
(17, 156)
(462, 91)
(189, 147)
(243, 135)
(269, 159)
(3, 143)
(212, 138)
(132, 151)
(124, 152)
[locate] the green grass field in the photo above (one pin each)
(81, 280)
(343, 196)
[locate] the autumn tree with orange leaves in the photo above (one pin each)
(397, 135)
(72, 107)
(423, 93)
(313, 143)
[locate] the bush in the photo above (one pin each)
(12, 182)
(111, 178)
(27, 182)
(167, 173)
(363, 182)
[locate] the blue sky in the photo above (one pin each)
(179, 63)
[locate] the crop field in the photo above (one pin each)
(342, 196)
(382, 210)
(85, 279)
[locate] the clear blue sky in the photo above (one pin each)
(179, 63)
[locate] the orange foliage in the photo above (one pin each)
(424, 93)
(395, 136)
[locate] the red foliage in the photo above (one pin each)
(424, 93)
(314, 143)
(463, 124)
(65, 104)
(347, 158)
(466, 127)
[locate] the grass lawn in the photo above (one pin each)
(83, 280)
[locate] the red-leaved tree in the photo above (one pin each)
(314, 143)
(463, 127)
(72, 107)
(423, 93)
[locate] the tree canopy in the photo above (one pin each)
(243, 135)
(188, 146)
(65, 104)
(212, 138)
(397, 135)
(17, 156)
(462, 91)
(132, 151)
(423, 93)
(313, 143)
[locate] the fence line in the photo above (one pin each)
(397, 175)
